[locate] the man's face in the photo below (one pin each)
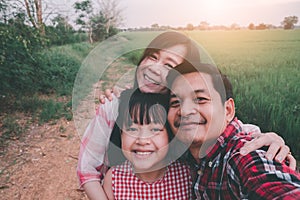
(196, 113)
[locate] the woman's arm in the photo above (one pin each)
(94, 190)
(277, 149)
(107, 185)
(94, 144)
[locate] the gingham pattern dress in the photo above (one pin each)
(175, 184)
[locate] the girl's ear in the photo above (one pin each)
(229, 110)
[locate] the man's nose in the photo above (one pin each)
(187, 108)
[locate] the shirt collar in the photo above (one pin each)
(230, 131)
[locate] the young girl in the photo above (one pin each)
(141, 134)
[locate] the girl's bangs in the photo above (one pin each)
(144, 114)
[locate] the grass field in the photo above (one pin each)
(264, 68)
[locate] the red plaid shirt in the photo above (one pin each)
(225, 174)
(175, 184)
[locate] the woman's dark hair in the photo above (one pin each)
(169, 39)
(140, 108)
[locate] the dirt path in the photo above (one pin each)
(42, 164)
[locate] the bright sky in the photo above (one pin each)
(144, 13)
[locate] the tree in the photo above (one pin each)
(155, 26)
(251, 26)
(235, 26)
(190, 27)
(100, 23)
(203, 25)
(111, 12)
(35, 14)
(85, 13)
(261, 26)
(289, 22)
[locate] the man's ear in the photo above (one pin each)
(229, 110)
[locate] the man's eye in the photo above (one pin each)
(174, 103)
(200, 100)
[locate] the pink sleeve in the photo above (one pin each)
(94, 143)
(249, 128)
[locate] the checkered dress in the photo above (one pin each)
(175, 184)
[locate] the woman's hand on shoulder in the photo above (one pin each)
(277, 149)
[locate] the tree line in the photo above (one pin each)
(288, 23)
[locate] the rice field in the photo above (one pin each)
(264, 67)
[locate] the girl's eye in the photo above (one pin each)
(156, 130)
(131, 129)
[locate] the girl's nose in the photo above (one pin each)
(142, 140)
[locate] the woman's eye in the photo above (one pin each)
(153, 57)
(169, 66)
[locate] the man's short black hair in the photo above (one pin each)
(220, 81)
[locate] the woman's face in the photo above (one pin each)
(153, 70)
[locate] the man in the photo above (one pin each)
(202, 115)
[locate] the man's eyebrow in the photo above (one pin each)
(199, 91)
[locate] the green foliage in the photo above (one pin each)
(50, 111)
(134, 56)
(57, 73)
(61, 32)
(19, 45)
(10, 130)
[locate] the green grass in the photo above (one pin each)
(264, 68)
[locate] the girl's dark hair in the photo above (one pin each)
(169, 39)
(140, 108)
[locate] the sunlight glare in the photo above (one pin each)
(215, 5)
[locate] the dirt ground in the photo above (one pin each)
(42, 164)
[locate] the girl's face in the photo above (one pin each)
(145, 146)
(153, 70)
